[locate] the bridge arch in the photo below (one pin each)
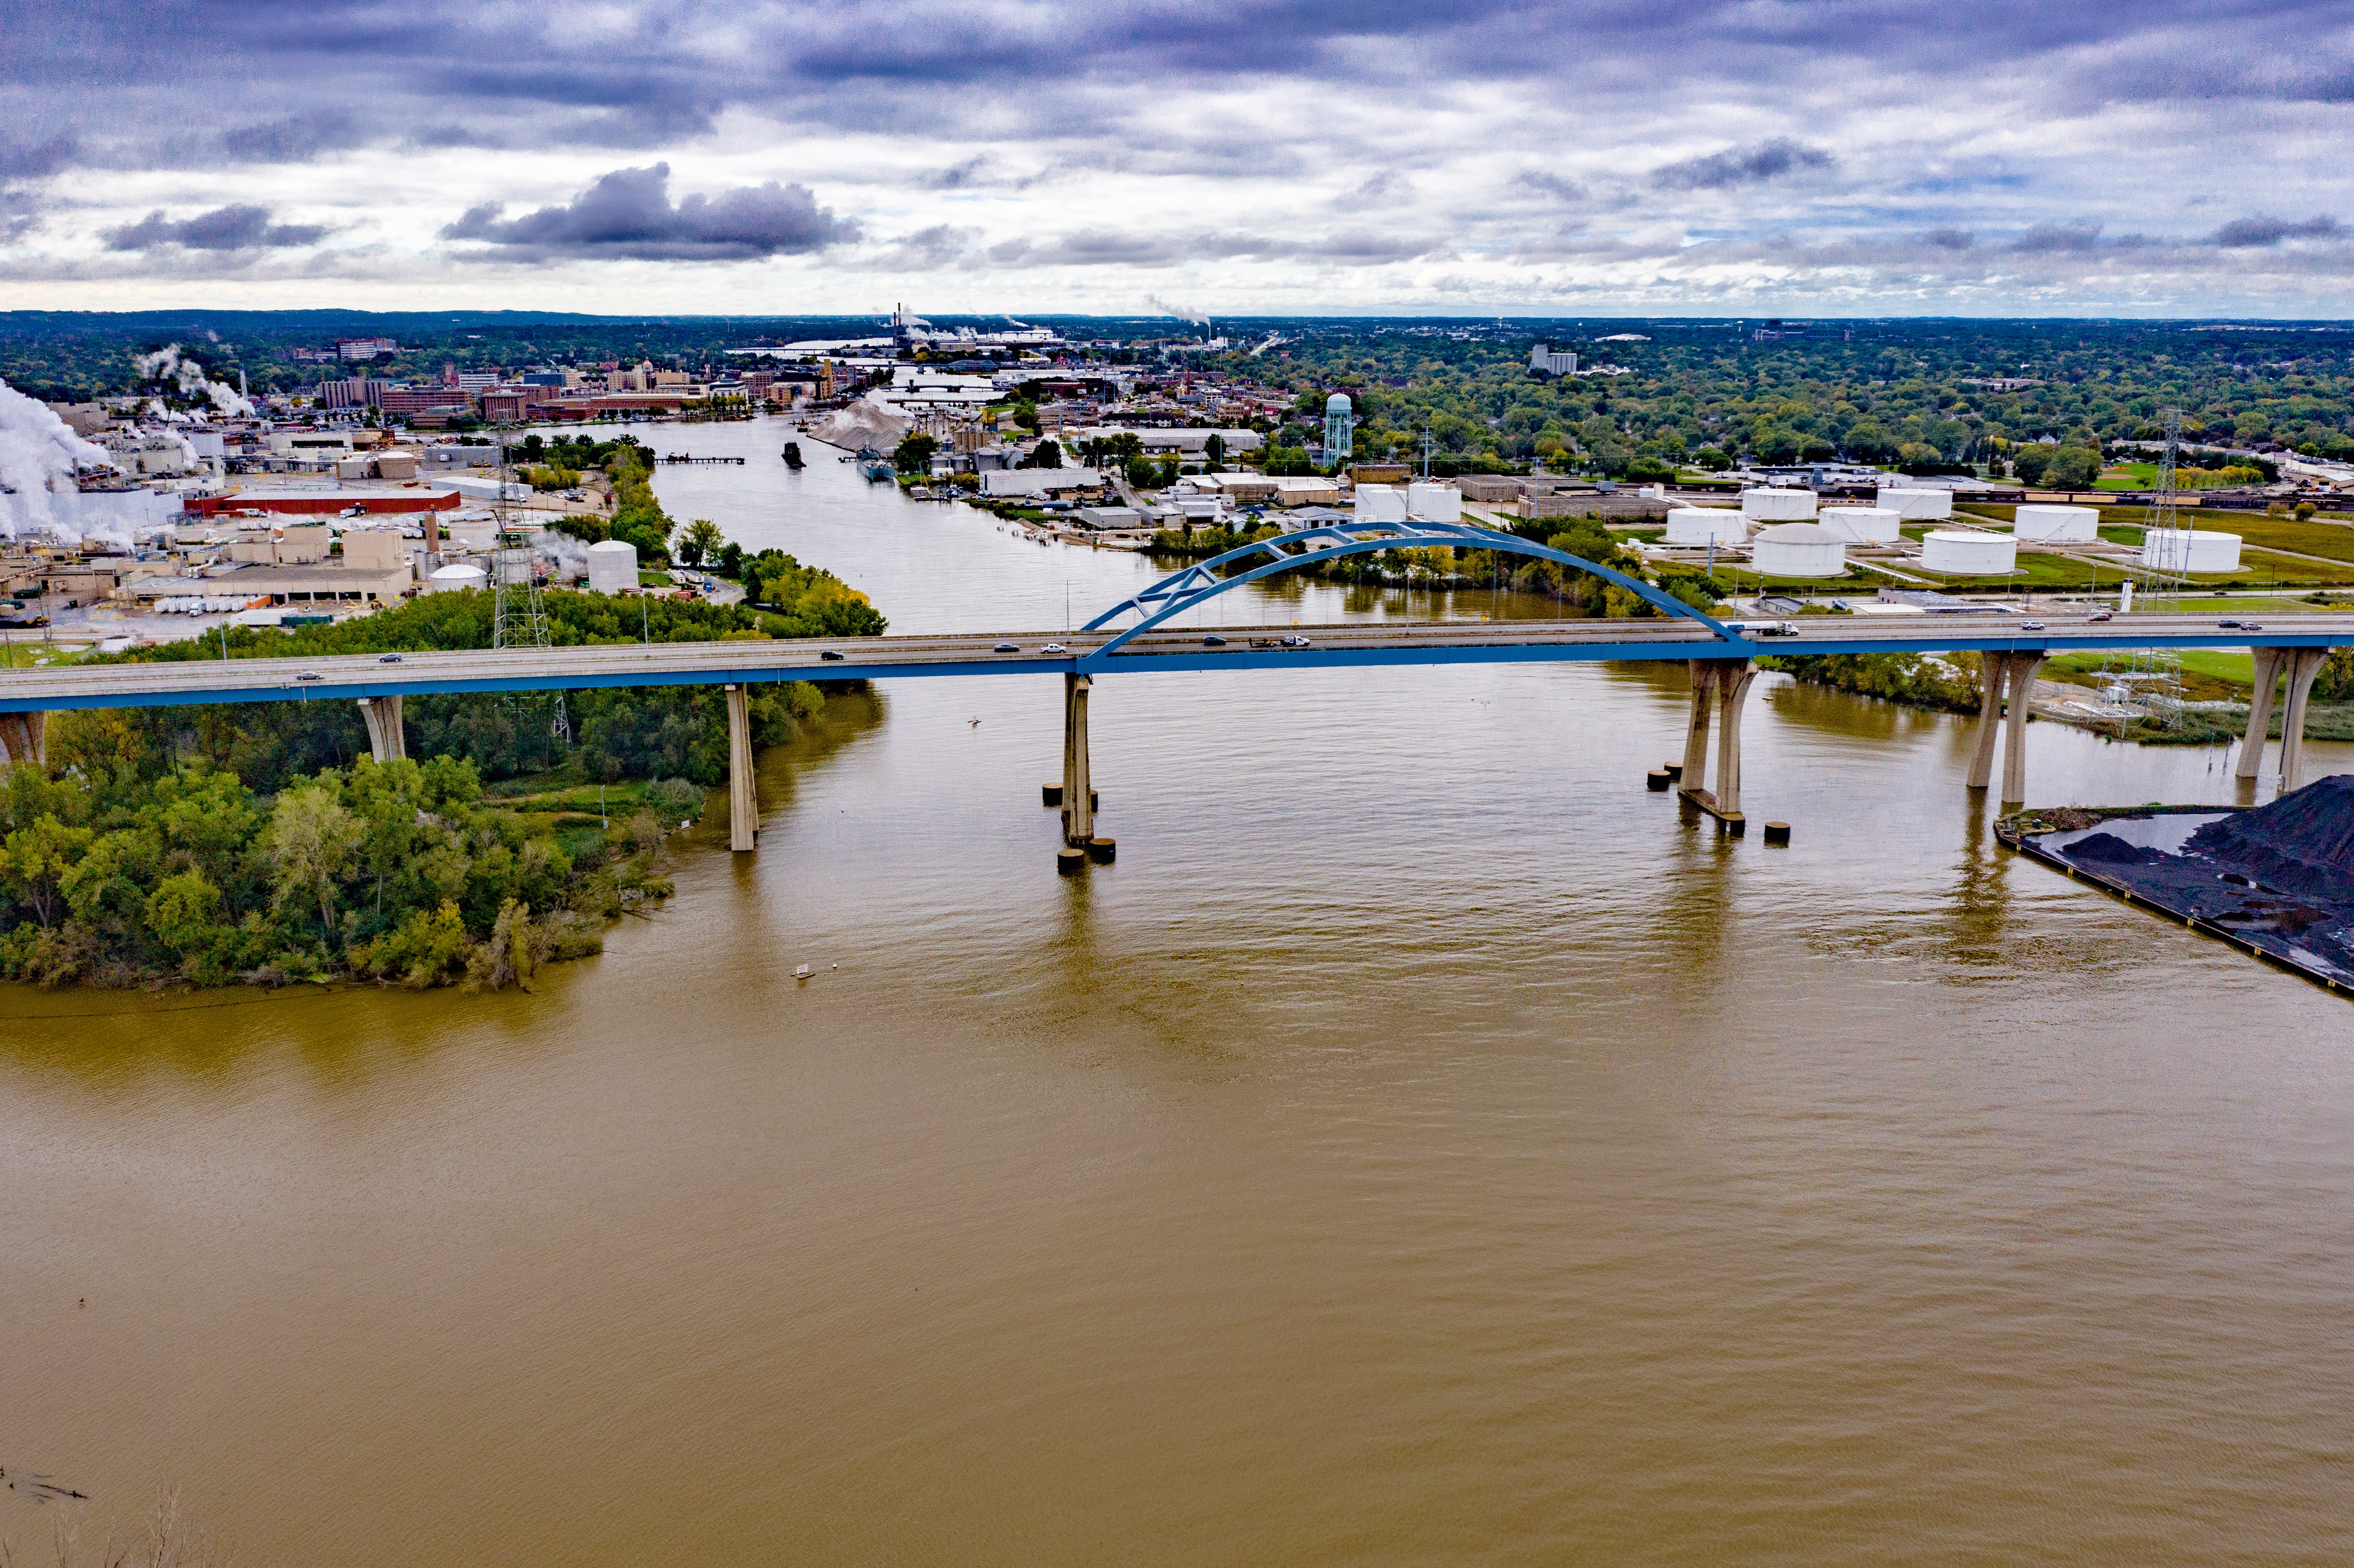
(1199, 583)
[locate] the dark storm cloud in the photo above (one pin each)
(241, 226)
(2248, 233)
(637, 72)
(1742, 166)
(36, 160)
(628, 215)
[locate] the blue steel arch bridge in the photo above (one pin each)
(1719, 654)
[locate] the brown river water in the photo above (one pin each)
(1421, 1147)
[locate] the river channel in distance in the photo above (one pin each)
(1420, 1147)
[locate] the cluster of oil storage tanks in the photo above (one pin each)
(1792, 535)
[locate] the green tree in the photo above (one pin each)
(700, 542)
(312, 841)
(37, 858)
(913, 456)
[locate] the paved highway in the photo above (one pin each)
(137, 684)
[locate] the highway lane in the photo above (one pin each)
(135, 684)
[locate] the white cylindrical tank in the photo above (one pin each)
(612, 566)
(1799, 550)
(1776, 506)
(1917, 506)
(2058, 525)
(1705, 525)
(455, 576)
(1433, 502)
(1380, 503)
(1863, 525)
(1968, 550)
(2189, 550)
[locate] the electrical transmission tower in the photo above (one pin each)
(2152, 679)
(519, 619)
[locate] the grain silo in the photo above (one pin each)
(612, 566)
(2057, 525)
(1863, 525)
(1967, 551)
(1799, 550)
(1778, 506)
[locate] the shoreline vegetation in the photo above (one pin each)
(261, 842)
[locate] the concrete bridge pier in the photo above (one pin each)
(23, 738)
(2002, 674)
(743, 800)
(1733, 682)
(1703, 698)
(1719, 689)
(2304, 665)
(1078, 784)
(385, 737)
(2260, 713)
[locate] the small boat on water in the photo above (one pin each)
(919, 492)
(792, 454)
(801, 973)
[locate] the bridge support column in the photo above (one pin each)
(1732, 691)
(1703, 695)
(743, 802)
(2260, 713)
(1078, 783)
(2304, 665)
(23, 738)
(2021, 683)
(1992, 667)
(385, 738)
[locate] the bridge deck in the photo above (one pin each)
(1165, 649)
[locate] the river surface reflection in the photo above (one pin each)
(1421, 1147)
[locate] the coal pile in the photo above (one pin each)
(2301, 844)
(2107, 849)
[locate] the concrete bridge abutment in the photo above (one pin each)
(23, 738)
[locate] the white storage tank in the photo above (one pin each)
(1863, 525)
(1967, 550)
(1433, 502)
(612, 566)
(1917, 506)
(456, 577)
(1705, 525)
(1778, 506)
(2057, 525)
(1799, 550)
(1380, 503)
(2189, 550)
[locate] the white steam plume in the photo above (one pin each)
(190, 377)
(1183, 313)
(39, 453)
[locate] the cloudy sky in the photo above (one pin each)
(1848, 156)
